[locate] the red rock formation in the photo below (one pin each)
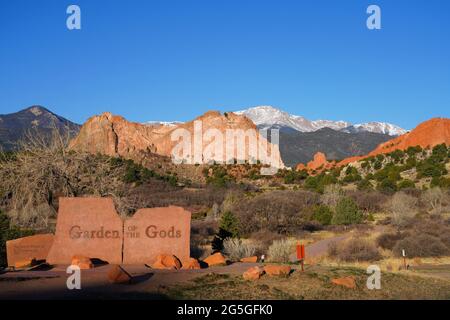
(427, 134)
(115, 136)
(319, 162)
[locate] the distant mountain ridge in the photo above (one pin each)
(300, 147)
(14, 126)
(270, 117)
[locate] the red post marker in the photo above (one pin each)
(301, 254)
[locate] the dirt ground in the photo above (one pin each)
(222, 283)
(147, 283)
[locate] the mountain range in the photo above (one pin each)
(270, 117)
(300, 138)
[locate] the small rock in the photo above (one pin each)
(277, 270)
(117, 274)
(191, 264)
(253, 273)
(250, 259)
(24, 263)
(82, 262)
(348, 282)
(217, 259)
(164, 261)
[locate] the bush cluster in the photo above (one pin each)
(354, 250)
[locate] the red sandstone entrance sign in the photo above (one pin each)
(155, 231)
(91, 227)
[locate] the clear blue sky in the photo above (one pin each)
(174, 60)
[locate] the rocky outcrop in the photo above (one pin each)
(113, 135)
(427, 134)
(319, 162)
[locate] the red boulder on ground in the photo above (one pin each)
(277, 270)
(253, 273)
(164, 261)
(191, 264)
(250, 259)
(217, 259)
(348, 282)
(82, 262)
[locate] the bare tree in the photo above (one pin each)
(43, 169)
(331, 195)
(402, 208)
(434, 198)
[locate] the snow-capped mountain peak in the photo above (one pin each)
(377, 127)
(268, 116)
(163, 123)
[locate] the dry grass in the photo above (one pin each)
(314, 283)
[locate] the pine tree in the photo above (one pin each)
(228, 228)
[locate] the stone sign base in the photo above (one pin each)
(24, 250)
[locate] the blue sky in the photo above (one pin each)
(174, 60)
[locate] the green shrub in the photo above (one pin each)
(347, 212)
(377, 165)
(441, 182)
(294, 176)
(431, 167)
(412, 151)
(322, 214)
(220, 177)
(229, 223)
(397, 155)
(406, 184)
(364, 185)
(387, 186)
(352, 178)
(318, 183)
